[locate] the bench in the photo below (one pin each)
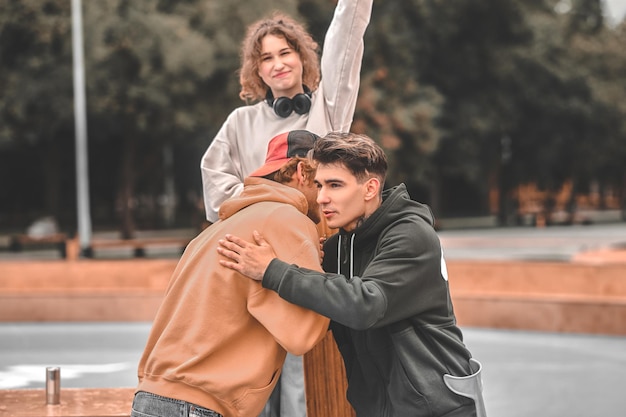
(69, 248)
(20, 241)
(138, 245)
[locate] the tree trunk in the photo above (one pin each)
(51, 171)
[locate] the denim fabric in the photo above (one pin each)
(146, 404)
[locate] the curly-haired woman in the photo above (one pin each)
(291, 88)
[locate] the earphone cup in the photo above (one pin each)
(301, 103)
(283, 106)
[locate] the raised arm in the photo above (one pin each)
(342, 55)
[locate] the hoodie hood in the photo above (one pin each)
(395, 206)
(261, 189)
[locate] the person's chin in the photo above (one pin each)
(331, 224)
(284, 84)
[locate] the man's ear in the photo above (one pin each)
(300, 173)
(372, 188)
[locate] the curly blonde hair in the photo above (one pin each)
(281, 25)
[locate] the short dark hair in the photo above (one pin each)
(359, 153)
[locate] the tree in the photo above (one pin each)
(512, 102)
(163, 71)
(36, 115)
(466, 97)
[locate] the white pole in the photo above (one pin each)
(80, 123)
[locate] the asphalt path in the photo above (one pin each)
(555, 243)
(525, 373)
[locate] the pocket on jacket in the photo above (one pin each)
(405, 396)
(253, 400)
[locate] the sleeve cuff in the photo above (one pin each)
(274, 274)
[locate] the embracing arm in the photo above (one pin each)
(331, 295)
(402, 280)
(297, 329)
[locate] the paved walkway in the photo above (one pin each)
(555, 243)
(525, 373)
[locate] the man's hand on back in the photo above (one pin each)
(249, 259)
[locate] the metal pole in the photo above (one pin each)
(53, 385)
(80, 123)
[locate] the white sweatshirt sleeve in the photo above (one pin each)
(341, 67)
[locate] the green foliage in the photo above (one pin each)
(460, 93)
(502, 71)
(35, 70)
(36, 109)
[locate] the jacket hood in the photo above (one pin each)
(396, 204)
(261, 189)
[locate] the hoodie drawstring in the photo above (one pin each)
(339, 262)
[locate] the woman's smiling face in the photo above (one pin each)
(280, 67)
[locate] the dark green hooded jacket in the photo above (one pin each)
(386, 291)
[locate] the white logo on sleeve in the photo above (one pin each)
(444, 268)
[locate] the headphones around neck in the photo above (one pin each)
(284, 106)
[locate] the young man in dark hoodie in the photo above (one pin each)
(385, 289)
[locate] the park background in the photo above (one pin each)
(501, 112)
(511, 110)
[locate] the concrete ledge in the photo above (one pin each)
(530, 279)
(558, 297)
(107, 306)
(544, 315)
(86, 290)
(75, 402)
(550, 296)
(60, 275)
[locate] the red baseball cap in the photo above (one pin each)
(283, 147)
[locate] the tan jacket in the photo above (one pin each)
(219, 339)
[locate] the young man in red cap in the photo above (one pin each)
(218, 342)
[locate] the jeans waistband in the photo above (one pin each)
(152, 404)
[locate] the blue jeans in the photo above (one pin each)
(146, 404)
